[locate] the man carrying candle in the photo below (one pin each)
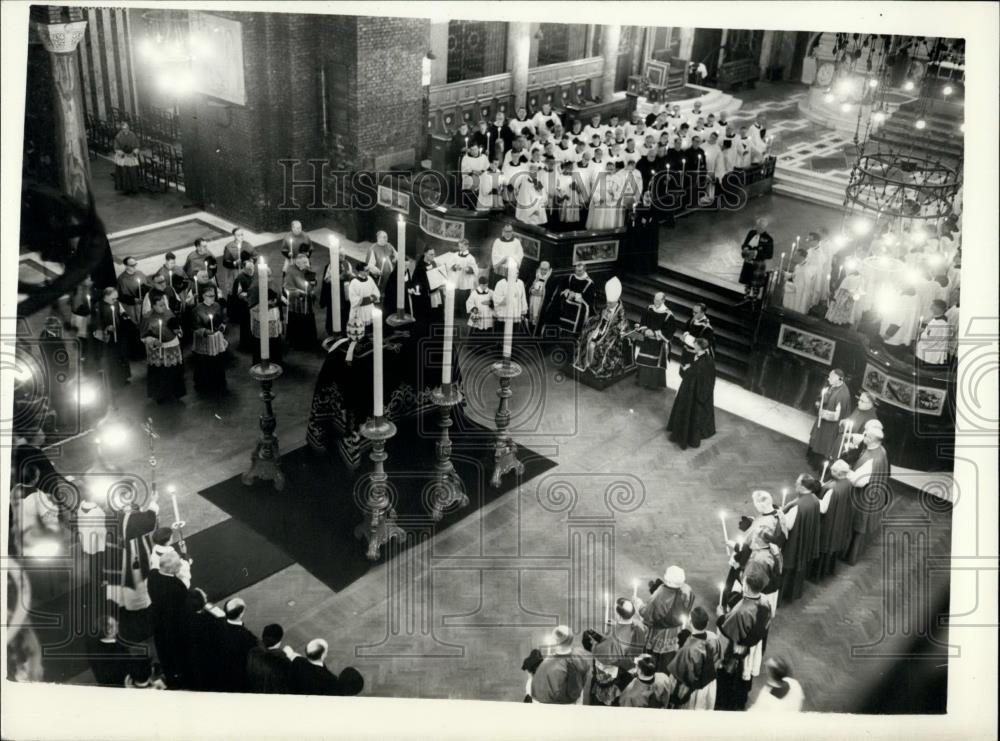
(198, 259)
(800, 551)
(132, 287)
(561, 677)
(300, 284)
(426, 286)
(745, 626)
(114, 327)
(694, 667)
(756, 250)
(473, 164)
(209, 326)
(382, 262)
(161, 333)
(872, 494)
(127, 553)
(294, 242)
(511, 304)
(505, 247)
(835, 527)
(834, 404)
(665, 613)
(239, 304)
(623, 642)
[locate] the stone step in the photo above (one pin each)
(712, 101)
(811, 187)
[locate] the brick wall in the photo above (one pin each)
(374, 104)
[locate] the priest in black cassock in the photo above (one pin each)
(836, 524)
(745, 626)
(799, 554)
(576, 302)
(692, 417)
(756, 250)
(657, 326)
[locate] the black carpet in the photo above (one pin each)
(313, 519)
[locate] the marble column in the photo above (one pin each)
(609, 51)
(519, 60)
(61, 40)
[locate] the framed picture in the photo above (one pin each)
(930, 400)
(587, 252)
(450, 231)
(656, 72)
(874, 380)
(532, 247)
(899, 393)
(808, 345)
(394, 199)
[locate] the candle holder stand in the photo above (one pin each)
(504, 451)
(380, 517)
(448, 490)
(265, 461)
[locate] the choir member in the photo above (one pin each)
(473, 165)
(604, 348)
(606, 201)
(692, 416)
(541, 297)
(742, 150)
(516, 159)
(209, 326)
(758, 140)
(593, 128)
(657, 328)
(934, 341)
(362, 295)
(872, 496)
(111, 333)
(463, 273)
(665, 614)
(545, 118)
(756, 250)
(505, 247)
(744, 626)
(569, 196)
(835, 527)
(801, 549)
(844, 308)
(347, 275)
(127, 554)
(198, 259)
(479, 307)
(900, 315)
(501, 134)
(577, 299)
(491, 185)
(232, 256)
(161, 333)
(833, 405)
(531, 197)
(695, 666)
(561, 678)
(126, 147)
(272, 313)
(521, 125)
(299, 284)
(239, 303)
(650, 688)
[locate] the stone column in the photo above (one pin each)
(519, 60)
(609, 51)
(766, 44)
(60, 40)
(686, 45)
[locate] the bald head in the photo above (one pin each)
(316, 649)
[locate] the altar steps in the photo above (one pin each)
(941, 138)
(733, 324)
(808, 185)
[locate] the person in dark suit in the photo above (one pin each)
(110, 659)
(168, 595)
(234, 643)
(269, 666)
(203, 624)
(309, 673)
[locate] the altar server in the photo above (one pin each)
(363, 294)
(504, 248)
(479, 307)
(934, 341)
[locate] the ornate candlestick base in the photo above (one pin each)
(505, 451)
(448, 491)
(265, 461)
(399, 319)
(380, 525)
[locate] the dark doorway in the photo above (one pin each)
(705, 49)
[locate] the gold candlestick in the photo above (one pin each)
(380, 525)
(505, 451)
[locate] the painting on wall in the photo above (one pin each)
(806, 344)
(588, 252)
(450, 231)
(394, 199)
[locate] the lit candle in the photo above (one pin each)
(173, 500)
(401, 265)
(508, 332)
(822, 476)
(822, 398)
(335, 283)
(114, 321)
(607, 608)
(449, 330)
(635, 589)
(722, 591)
(489, 155)
(262, 310)
(160, 323)
(781, 263)
(725, 532)
(211, 323)
(784, 494)
(378, 407)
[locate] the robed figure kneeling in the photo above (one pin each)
(692, 418)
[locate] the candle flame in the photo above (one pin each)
(171, 489)
(722, 514)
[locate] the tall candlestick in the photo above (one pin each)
(401, 265)
(449, 331)
(335, 283)
(725, 532)
(378, 409)
(508, 332)
(262, 311)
